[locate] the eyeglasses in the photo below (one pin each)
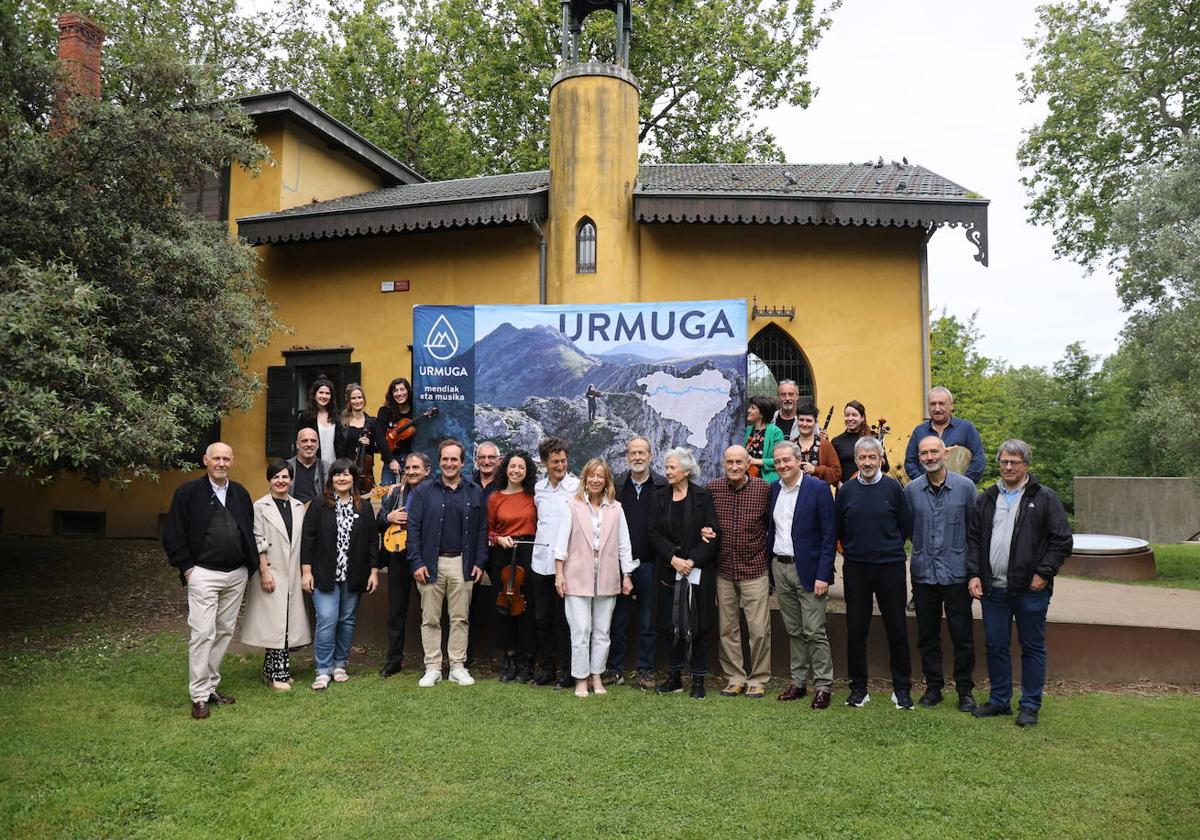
(1011, 463)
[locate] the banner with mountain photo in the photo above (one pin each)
(593, 374)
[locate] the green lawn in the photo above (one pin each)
(1178, 565)
(98, 742)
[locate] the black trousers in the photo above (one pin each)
(550, 617)
(400, 587)
(930, 599)
(884, 582)
(515, 633)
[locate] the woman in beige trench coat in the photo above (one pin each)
(275, 616)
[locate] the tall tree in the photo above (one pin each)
(125, 321)
(459, 88)
(1121, 84)
(1158, 230)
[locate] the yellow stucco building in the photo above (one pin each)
(352, 239)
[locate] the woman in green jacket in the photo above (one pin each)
(761, 437)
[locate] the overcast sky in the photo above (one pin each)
(936, 82)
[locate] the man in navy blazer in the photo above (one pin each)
(447, 551)
(802, 542)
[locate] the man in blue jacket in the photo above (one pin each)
(801, 539)
(1015, 547)
(447, 552)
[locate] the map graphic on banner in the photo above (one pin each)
(594, 374)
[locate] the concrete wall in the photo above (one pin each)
(1161, 510)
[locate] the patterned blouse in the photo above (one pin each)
(345, 524)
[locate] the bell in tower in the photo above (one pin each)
(573, 13)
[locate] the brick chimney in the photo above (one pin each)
(79, 43)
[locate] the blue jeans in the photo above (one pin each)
(387, 477)
(641, 604)
(337, 613)
(1029, 609)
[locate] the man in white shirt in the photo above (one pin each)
(551, 494)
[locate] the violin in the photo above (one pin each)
(406, 428)
(365, 461)
(510, 600)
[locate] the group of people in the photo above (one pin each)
(585, 565)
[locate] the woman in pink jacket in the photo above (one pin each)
(593, 563)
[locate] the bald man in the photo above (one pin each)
(742, 502)
(209, 538)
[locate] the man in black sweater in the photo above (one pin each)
(209, 538)
(874, 518)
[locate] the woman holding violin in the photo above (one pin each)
(355, 439)
(512, 522)
(321, 414)
(394, 429)
(855, 415)
(593, 562)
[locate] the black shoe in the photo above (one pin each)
(546, 678)
(911, 606)
(508, 669)
(858, 699)
(990, 709)
(611, 677)
(1027, 717)
(565, 681)
(389, 668)
(902, 699)
(698, 687)
(966, 702)
(525, 672)
(645, 679)
(672, 684)
(930, 698)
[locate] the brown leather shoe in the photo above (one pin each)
(821, 700)
(792, 692)
(223, 699)
(200, 710)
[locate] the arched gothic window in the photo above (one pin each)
(585, 247)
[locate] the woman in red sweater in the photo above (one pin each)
(512, 522)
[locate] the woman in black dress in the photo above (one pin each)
(395, 413)
(681, 510)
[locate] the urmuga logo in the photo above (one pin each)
(441, 341)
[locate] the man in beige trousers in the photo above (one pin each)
(742, 502)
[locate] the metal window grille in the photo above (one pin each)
(585, 248)
(774, 356)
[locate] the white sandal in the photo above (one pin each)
(321, 682)
(340, 675)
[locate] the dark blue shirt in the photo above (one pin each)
(455, 505)
(958, 432)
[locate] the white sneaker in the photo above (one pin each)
(461, 676)
(430, 678)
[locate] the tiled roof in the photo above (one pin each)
(875, 194)
(429, 192)
(818, 180)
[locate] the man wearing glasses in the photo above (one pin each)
(1015, 546)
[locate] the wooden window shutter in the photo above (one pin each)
(281, 411)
